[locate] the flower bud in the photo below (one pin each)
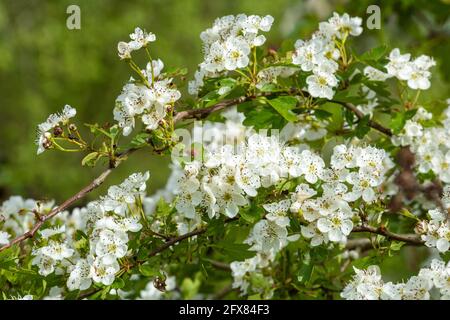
(57, 131)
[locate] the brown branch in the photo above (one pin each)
(204, 112)
(175, 240)
(408, 238)
(373, 124)
(42, 218)
(224, 292)
(220, 265)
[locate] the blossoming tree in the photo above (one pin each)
(297, 185)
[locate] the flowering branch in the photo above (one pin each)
(80, 194)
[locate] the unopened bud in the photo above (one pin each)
(72, 127)
(57, 131)
(47, 144)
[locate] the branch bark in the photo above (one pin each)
(175, 240)
(204, 112)
(373, 124)
(408, 238)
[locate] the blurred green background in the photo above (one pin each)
(44, 65)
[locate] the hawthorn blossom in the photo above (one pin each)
(44, 136)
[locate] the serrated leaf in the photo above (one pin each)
(284, 105)
(234, 251)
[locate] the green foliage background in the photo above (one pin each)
(43, 66)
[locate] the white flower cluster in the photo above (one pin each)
(17, 214)
(43, 140)
(368, 284)
(227, 45)
(355, 173)
(106, 223)
(150, 104)
(329, 216)
(415, 72)
(139, 39)
(436, 231)
(226, 179)
(243, 271)
(269, 75)
(109, 221)
(372, 101)
(431, 145)
(319, 55)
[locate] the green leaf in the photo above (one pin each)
(366, 261)
(322, 114)
(234, 251)
(252, 214)
(284, 105)
(406, 213)
(398, 120)
(91, 159)
(139, 140)
(262, 118)
(396, 245)
(305, 272)
(119, 283)
(189, 287)
(363, 127)
(374, 54)
(148, 270)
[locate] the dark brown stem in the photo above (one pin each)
(373, 124)
(175, 240)
(408, 238)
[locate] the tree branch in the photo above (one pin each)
(175, 240)
(408, 238)
(80, 194)
(204, 112)
(373, 124)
